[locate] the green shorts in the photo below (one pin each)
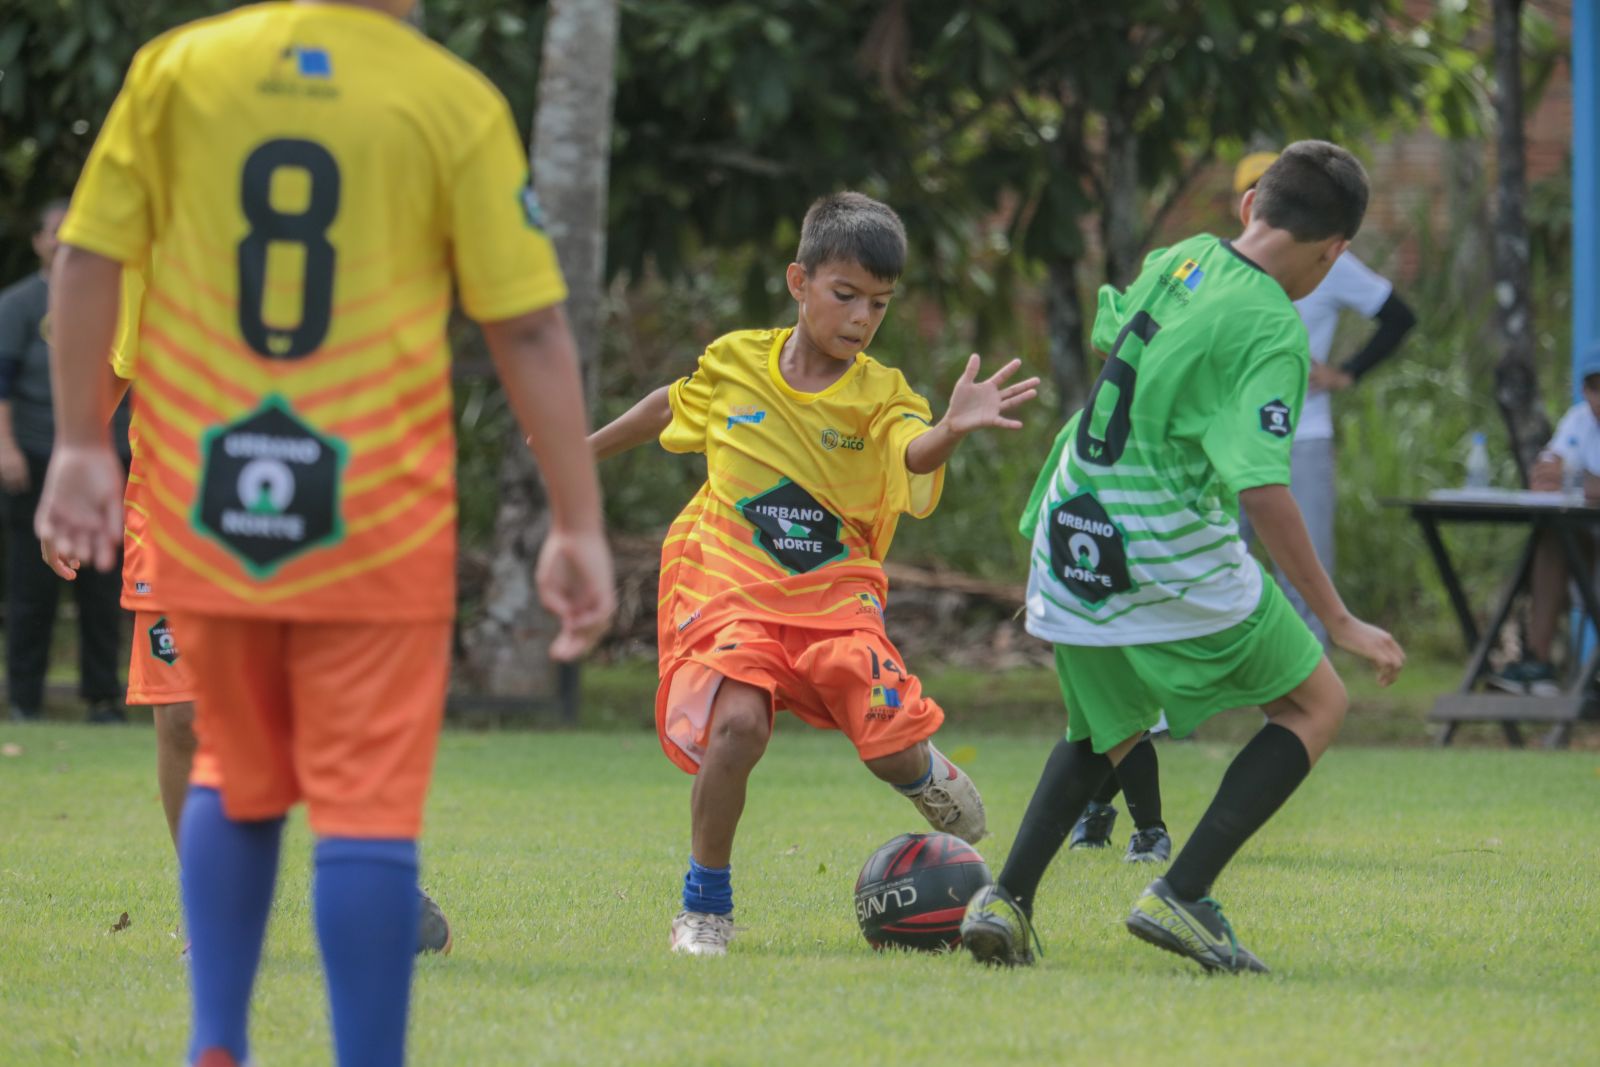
(1115, 692)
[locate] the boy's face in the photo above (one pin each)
(1591, 394)
(841, 305)
(44, 242)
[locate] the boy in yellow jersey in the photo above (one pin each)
(159, 677)
(304, 183)
(772, 584)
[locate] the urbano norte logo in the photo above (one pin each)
(794, 529)
(832, 439)
(1087, 552)
(745, 413)
(163, 646)
(1275, 418)
(269, 487)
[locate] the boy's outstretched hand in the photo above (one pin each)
(1371, 643)
(975, 405)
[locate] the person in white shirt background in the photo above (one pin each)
(1571, 459)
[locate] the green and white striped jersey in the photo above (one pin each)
(1135, 517)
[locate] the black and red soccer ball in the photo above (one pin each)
(914, 890)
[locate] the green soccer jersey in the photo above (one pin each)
(1135, 517)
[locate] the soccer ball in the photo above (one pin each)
(913, 891)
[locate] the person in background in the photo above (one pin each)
(1571, 458)
(27, 428)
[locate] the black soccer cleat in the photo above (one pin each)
(996, 929)
(1196, 929)
(1093, 828)
(1150, 845)
(433, 929)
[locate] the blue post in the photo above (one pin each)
(1585, 181)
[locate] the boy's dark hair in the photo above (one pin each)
(1315, 190)
(852, 228)
(60, 203)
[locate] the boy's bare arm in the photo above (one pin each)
(640, 423)
(1277, 521)
(974, 405)
(80, 510)
(538, 366)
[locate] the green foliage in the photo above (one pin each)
(1410, 912)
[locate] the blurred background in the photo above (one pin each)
(1035, 150)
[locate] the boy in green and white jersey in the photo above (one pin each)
(1139, 576)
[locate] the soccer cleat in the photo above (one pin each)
(1193, 928)
(950, 802)
(997, 931)
(1527, 677)
(695, 933)
(433, 929)
(1093, 828)
(1151, 845)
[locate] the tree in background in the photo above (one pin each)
(1516, 377)
(571, 157)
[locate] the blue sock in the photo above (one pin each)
(367, 909)
(911, 789)
(227, 871)
(708, 889)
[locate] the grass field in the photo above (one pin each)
(1417, 906)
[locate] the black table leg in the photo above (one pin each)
(1447, 574)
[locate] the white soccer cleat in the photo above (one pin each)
(951, 803)
(694, 933)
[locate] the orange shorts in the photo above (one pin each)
(342, 715)
(157, 673)
(852, 681)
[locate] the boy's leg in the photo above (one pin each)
(1176, 913)
(175, 748)
(368, 703)
(1140, 775)
(740, 727)
(997, 927)
(941, 791)
(228, 840)
(1533, 674)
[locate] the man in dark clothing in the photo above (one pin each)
(27, 428)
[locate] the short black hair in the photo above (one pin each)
(853, 228)
(1315, 190)
(60, 203)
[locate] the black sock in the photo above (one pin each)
(1258, 781)
(1140, 775)
(1109, 791)
(1071, 777)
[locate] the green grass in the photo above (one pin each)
(1416, 906)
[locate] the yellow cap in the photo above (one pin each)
(1251, 168)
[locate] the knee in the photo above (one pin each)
(175, 727)
(742, 726)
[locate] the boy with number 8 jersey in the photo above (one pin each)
(772, 584)
(1139, 576)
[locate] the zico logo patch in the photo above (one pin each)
(163, 646)
(1087, 552)
(1275, 418)
(269, 487)
(832, 439)
(796, 531)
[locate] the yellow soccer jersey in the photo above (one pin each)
(803, 491)
(303, 183)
